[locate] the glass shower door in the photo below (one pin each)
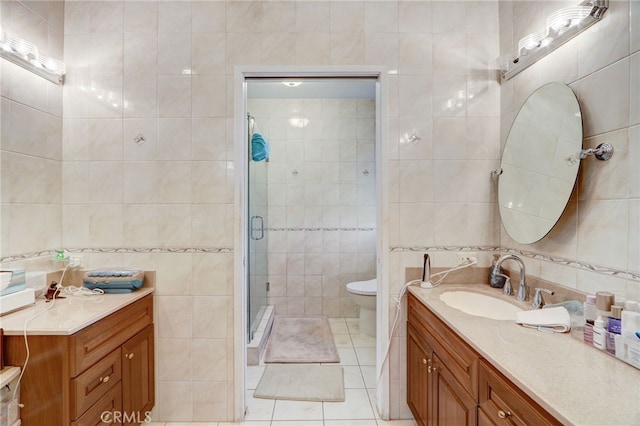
(258, 245)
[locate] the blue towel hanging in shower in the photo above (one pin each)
(260, 148)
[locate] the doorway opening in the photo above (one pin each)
(308, 167)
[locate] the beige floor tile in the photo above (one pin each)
(338, 326)
(363, 341)
(297, 410)
(397, 423)
(353, 324)
(369, 375)
(350, 423)
(353, 377)
(297, 423)
(254, 373)
(259, 408)
(347, 356)
(366, 356)
(343, 340)
(355, 407)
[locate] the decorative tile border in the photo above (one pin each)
(532, 255)
(33, 255)
(321, 229)
(635, 276)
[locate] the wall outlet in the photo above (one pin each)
(75, 261)
(466, 256)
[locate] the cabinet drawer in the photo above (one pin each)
(503, 403)
(94, 342)
(107, 411)
(458, 356)
(91, 385)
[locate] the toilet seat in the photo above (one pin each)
(365, 288)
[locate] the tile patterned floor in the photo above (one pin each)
(358, 358)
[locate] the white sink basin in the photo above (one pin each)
(480, 305)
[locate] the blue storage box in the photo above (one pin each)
(114, 280)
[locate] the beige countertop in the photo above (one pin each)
(67, 316)
(575, 382)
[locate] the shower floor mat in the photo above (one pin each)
(296, 339)
(302, 382)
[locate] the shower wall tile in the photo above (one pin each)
(347, 17)
(325, 193)
(141, 17)
(174, 17)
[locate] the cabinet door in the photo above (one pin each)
(452, 403)
(504, 404)
(138, 384)
(418, 385)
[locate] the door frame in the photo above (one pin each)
(241, 155)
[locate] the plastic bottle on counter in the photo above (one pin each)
(600, 333)
(614, 323)
(590, 309)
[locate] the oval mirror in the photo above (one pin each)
(539, 163)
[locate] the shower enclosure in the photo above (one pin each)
(258, 238)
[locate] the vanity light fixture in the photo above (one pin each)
(26, 55)
(292, 83)
(561, 26)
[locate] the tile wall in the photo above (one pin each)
(322, 201)
(163, 71)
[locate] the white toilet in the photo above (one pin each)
(363, 294)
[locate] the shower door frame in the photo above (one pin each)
(241, 158)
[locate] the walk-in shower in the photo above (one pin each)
(312, 206)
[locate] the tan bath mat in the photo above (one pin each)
(296, 339)
(302, 382)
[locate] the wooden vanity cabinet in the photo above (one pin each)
(449, 384)
(106, 367)
(441, 383)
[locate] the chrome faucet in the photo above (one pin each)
(522, 290)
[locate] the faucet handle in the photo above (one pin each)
(538, 301)
(507, 284)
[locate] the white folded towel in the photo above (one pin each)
(552, 320)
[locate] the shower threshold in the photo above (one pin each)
(260, 337)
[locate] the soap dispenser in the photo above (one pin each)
(495, 280)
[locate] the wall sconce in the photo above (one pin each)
(562, 25)
(25, 54)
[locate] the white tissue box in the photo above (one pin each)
(628, 350)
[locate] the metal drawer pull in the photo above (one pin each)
(424, 361)
(503, 415)
(129, 356)
(105, 379)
